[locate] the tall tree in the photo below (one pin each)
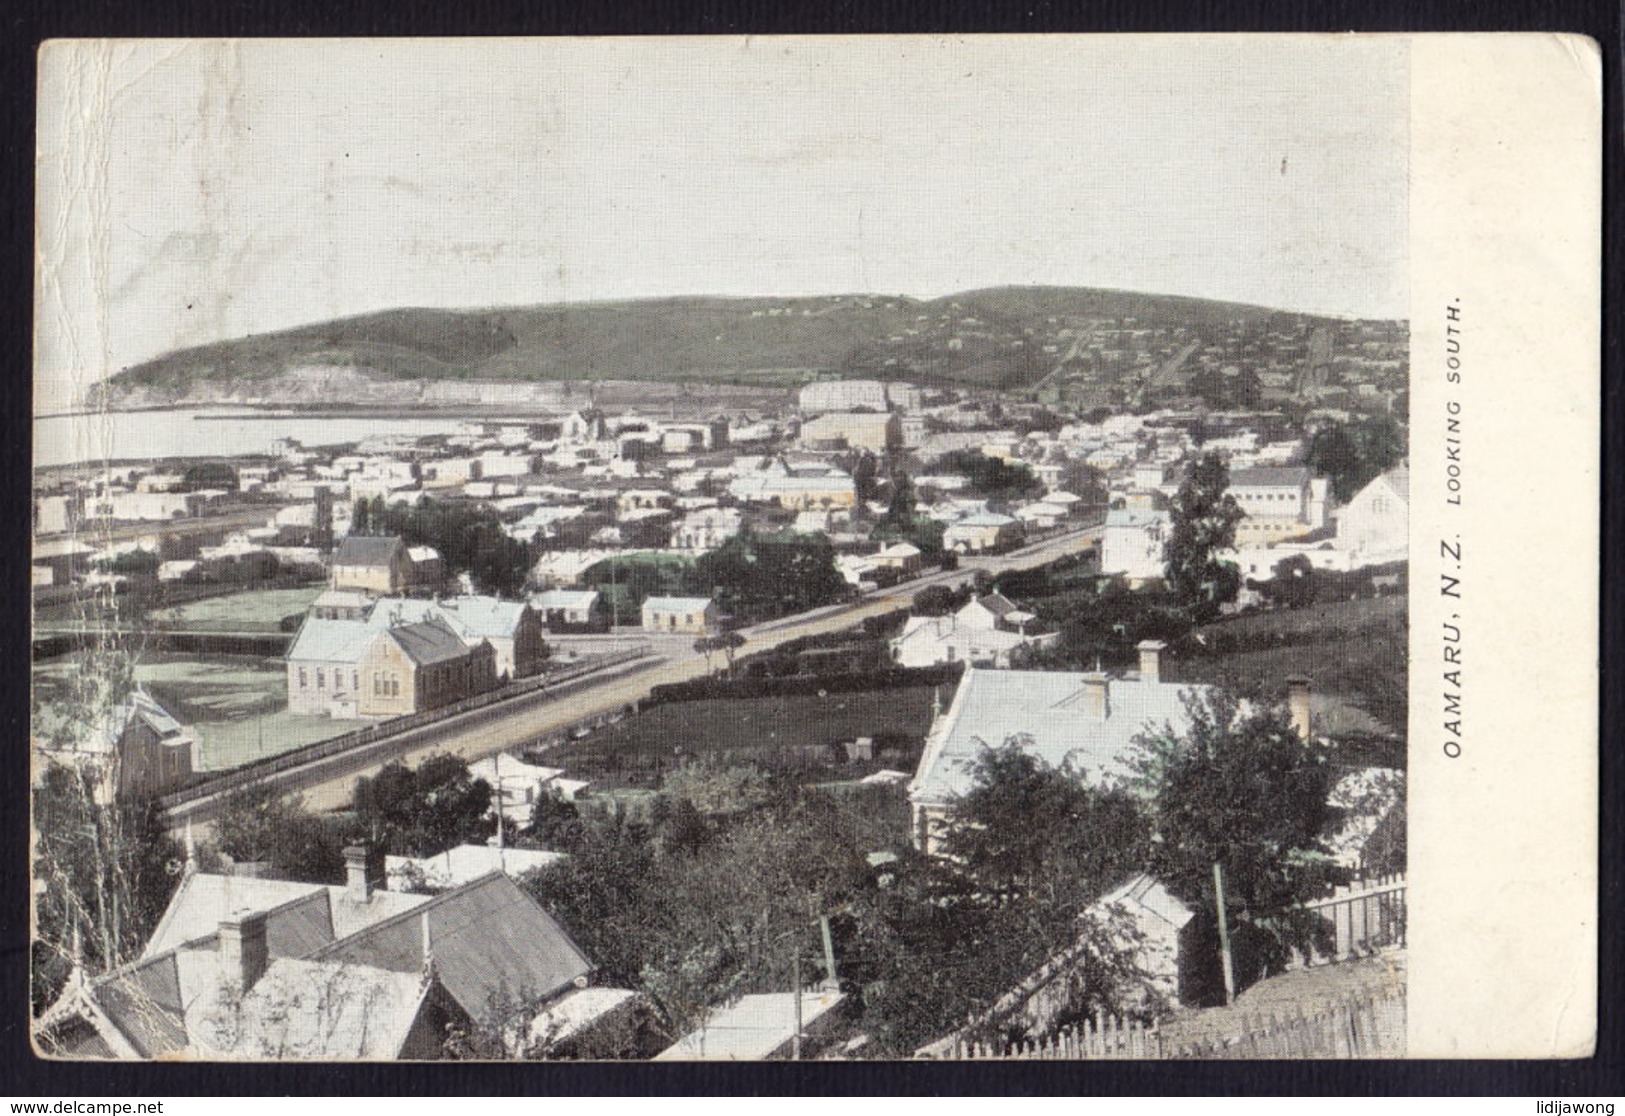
(1204, 517)
(425, 810)
(1044, 832)
(1241, 789)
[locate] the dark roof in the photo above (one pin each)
(367, 550)
(144, 1003)
(494, 948)
(430, 641)
(1270, 476)
(998, 604)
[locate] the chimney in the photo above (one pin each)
(1094, 695)
(358, 876)
(243, 952)
(1151, 659)
(1298, 705)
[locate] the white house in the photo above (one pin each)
(982, 633)
(679, 614)
(1374, 527)
(1133, 543)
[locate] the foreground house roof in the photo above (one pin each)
(345, 974)
(1055, 711)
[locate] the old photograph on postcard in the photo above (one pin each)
(775, 548)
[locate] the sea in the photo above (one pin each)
(76, 439)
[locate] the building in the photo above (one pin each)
(901, 556)
(1281, 502)
(341, 604)
(877, 433)
(512, 628)
(256, 969)
(697, 615)
(384, 666)
(135, 752)
(409, 668)
(463, 864)
(706, 529)
(1132, 545)
(984, 632)
(371, 564)
(1087, 720)
(808, 488)
(842, 395)
(763, 1027)
(983, 532)
(566, 609)
(1374, 527)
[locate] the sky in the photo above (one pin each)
(192, 192)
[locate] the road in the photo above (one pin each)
(327, 784)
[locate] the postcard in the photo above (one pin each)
(741, 548)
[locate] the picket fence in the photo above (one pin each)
(1369, 1026)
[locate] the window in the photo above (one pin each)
(355, 680)
(303, 680)
(321, 679)
(394, 686)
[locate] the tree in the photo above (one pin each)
(935, 600)
(1352, 454)
(1241, 789)
(1030, 829)
(1293, 583)
(107, 872)
(257, 824)
(1204, 517)
(900, 510)
(426, 810)
(757, 577)
(1084, 481)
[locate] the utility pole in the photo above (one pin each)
(795, 980)
(1224, 936)
(829, 954)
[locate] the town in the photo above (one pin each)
(862, 712)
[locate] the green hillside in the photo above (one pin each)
(989, 338)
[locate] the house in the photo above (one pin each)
(1374, 527)
(877, 433)
(1042, 515)
(984, 632)
(512, 628)
(409, 668)
(679, 614)
(981, 533)
(1085, 719)
(136, 751)
(842, 395)
(371, 564)
(901, 556)
(341, 604)
(384, 666)
(463, 864)
(245, 968)
(583, 426)
(706, 529)
(571, 609)
(802, 489)
(1133, 543)
(517, 784)
(1281, 502)
(762, 1027)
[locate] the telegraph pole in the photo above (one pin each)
(1224, 936)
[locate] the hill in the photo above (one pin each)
(998, 338)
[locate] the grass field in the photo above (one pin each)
(1354, 653)
(801, 733)
(256, 610)
(236, 704)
